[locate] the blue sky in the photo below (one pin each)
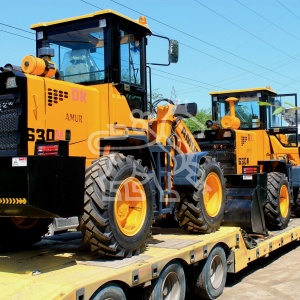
(224, 44)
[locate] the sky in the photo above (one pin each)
(223, 44)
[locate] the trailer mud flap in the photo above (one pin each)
(245, 195)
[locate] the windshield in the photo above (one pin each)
(246, 109)
(79, 52)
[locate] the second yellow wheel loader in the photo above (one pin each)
(254, 135)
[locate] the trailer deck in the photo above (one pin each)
(60, 267)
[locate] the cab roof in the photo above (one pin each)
(141, 21)
(267, 89)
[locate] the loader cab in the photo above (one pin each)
(261, 108)
(248, 106)
(100, 48)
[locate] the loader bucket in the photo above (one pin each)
(244, 202)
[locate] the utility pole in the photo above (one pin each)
(173, 96)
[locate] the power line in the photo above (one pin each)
(293, 80)
(17, 28)
(195, 85)
(219, 48)
(17, 35)
(247, 31)
(248, 71)
(194, 80)
(91, 4)
(265, 19)
(288, 9)
(181, 43)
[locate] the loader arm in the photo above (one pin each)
(171, 130)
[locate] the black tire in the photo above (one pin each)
(277, 208)
(170, 285)
(296, 204)
(207, 279)
(200, 209)
(109, 291)
(22, 232)
(118, 228)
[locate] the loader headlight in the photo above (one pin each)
(11, 82)
(227, 134)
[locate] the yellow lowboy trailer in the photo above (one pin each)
(173, 263)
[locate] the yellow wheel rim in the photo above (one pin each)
(212, 194)
(130, 206)
(284, 203)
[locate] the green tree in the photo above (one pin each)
(198, 122)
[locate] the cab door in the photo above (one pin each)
(128, 103)
(283, 117)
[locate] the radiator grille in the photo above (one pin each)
(225, 157)
(10, 111)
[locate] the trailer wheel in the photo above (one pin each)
(170, 285)
(109, 291)
(277, 208)
(296, 204)
(207, 280)
(201, 209)
(118, 210)
(22, 231)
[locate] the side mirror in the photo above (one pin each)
(173, 51)
(186, 110)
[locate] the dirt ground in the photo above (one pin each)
(274, 277)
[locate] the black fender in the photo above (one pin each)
(186, 168)
(296, 177)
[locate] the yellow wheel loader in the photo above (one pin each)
(254, 135)
(80, 136)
